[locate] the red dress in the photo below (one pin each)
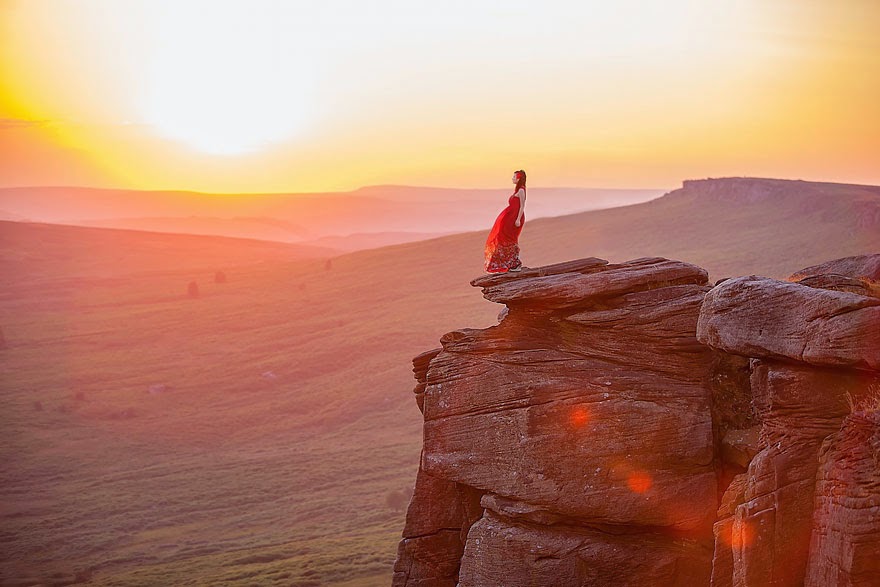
(502, 246)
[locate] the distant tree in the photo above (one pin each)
(38, 406)
(192, 290)
(79, 396)
(219, 277)
(2, 340)
(328, 265)
(396, 500)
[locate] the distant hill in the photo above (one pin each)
(4, 215)
(301, 217)
(255, 228)
(369, 240)
(47, 252)
(729, 226)
(254, 435)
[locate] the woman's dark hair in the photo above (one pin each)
(520, 180)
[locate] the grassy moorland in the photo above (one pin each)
(251, 436)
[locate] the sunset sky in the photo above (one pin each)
(260, 95)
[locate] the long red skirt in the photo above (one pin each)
(502, 245)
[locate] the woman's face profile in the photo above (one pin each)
(513, 179)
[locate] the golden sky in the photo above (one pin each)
(275, 95)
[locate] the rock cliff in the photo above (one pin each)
(631, 424)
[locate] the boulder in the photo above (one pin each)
(858, 267)
(761, 317)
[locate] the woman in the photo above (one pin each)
(502, 246)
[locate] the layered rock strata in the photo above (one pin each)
(584, 422)
(629, 424)
(807, 511)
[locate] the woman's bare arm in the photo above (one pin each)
(521, 194)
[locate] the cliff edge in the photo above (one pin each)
(631, 424)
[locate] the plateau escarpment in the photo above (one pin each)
(631, 424)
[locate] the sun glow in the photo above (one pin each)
(286, 95)
(224, 78)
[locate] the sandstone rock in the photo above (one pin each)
(859, 266)
(762, 317)
(817, 342)
(428, 561)
(437, 521)
(570, 289)
(740, 446)
(768, 533)
(732, 407)
(587, 265)
(520, 554)
(845, 545)
(420, 369)
(584, 439)
(420, 363)
(579, 410)
(862, 287)
(526, 512)
(725, 538)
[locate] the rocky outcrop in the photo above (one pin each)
(815, 353)
(845, 543)
(630, 424)
(762, 317)
(593, 390)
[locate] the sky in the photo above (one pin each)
(290, 96)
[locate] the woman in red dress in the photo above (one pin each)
(502, 245)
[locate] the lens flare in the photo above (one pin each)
(579, 417)
(639, 481)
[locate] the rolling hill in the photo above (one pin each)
(33, 251)
(389, 212)
(256, 434)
